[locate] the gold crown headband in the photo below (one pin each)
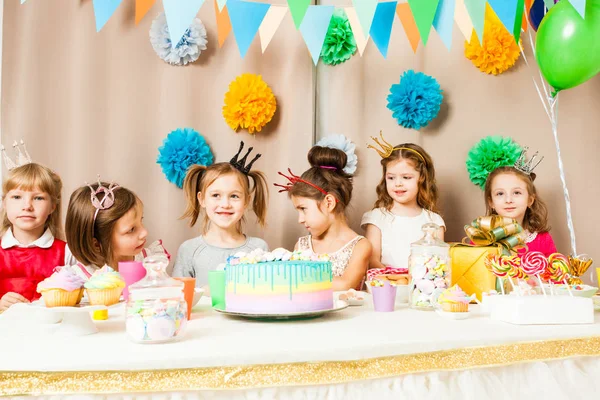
(387, 149)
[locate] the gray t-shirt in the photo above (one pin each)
(196, 257)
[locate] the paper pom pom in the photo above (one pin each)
(181, 149)
(488, 154)
(341, 142)
(189, 47)
(499, 51)
(249, 103)
(416, 100)
(339, 43)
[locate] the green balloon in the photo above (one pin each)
(568, 46)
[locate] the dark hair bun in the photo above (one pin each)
(327, 157)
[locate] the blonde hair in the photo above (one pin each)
(427, 195)
(536, 216)
(199, 177)
(30, 177)
(91, 241)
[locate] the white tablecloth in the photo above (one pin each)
(420, 350)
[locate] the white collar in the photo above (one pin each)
(44, 241)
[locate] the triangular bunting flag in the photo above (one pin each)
(180, 15)
(549, 4)
(519, 20)
(270, 25)
(505, 10)
(103, 10)
(23, 1)
(245, 17)
(424, 13)
(461, 16)
(365, 9)
(141, 9)
(476, 9)
(221, 4)
(579, 5)
(409, 25)
(444, 21)
(314, 28)
(381, 28)
(223, 24)
(298, 10)
(357, 31)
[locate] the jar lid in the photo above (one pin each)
(430, 237)
(157, 282)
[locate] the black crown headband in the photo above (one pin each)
(240, 164)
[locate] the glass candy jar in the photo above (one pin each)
(156, 309)
(429, 269)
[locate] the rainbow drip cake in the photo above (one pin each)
(279, 282)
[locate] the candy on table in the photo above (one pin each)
(428, 273)
(351, 295)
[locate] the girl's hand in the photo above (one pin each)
(11, 298)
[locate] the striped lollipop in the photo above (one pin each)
(534, 263)
(497, 265)
(558, 268)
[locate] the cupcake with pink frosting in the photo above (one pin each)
(63, 288)
(454, 299)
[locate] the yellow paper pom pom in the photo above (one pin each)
(499, 51)
(249, 103)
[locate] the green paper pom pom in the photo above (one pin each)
(339, 43)
(488, 154)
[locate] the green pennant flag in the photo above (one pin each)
(298, 10)
(519, 20)
(424, 13)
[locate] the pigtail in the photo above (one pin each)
(261, 195)
(191, 187)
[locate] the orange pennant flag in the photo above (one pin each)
(141, 9)
(524, 23)
(408, 23)
(223, 23)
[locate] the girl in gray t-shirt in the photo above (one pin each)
(223, 192)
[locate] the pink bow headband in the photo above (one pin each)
(107, 200)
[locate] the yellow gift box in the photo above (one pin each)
(468, 268)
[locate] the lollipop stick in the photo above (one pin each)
(541, 284)
(551, 287)
(568, 287)
(513, 286)
(502, 285)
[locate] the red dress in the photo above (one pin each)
(21, 269)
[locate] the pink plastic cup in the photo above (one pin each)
(131, 271)
(384, 297)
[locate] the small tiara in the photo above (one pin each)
(107, 200)
(293, 179)
(241, 163)
(527, 166)
(386, 149)
(22, 158)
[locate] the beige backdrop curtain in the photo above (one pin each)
(92, 103)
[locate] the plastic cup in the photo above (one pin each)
(216, 284)
(131, 271)
(188, 292)
(384, 297)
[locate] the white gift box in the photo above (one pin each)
(542, 310)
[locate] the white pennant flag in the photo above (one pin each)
(359, 36)
(270, 24)
(463, 20)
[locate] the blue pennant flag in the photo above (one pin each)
(180, 15)
(444, 21)
(579, 5)
(381, 28)
(245, 17)
(314, 28)
(506, 10)
(103, 10)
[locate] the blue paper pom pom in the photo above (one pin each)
(416, 100)
(181, 149)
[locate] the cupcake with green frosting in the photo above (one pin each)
(104, 287)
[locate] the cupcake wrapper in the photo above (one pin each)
(104, 297)
(60, 297)
(455, 307)
(81, 291)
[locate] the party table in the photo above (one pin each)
(352, 353)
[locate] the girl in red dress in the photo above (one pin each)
(31, 232)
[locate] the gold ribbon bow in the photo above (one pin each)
(485, 231)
